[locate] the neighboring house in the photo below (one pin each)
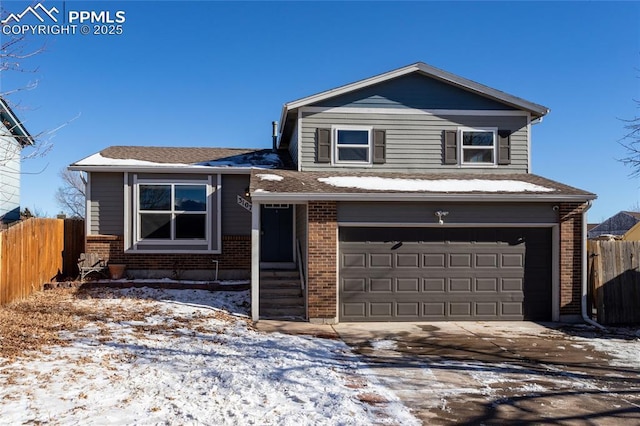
(13, 137)
(621, 226)
(403, 197)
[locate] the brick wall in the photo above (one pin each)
(322, 255)
(236, 254)
(570, 217)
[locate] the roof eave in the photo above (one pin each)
(368, 196)
(160, 169)
(25, 138)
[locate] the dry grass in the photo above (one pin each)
(39, 321)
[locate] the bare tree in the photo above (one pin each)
(631, 142)
(71, 195)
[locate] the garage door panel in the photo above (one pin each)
(353, 285)
(460, 260)
(407, 260)
(381, 260)
(408, 285)
(512, 260)
(408, 309)
(440, 276)
(354, 260)
(381, 285)
(487, 285)
(381, 310)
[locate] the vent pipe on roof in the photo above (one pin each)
(274, 134)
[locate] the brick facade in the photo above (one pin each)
(236, 254)
(322, 255)
(570, 218)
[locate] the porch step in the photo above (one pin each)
(278, 313)
(279, 273)
(281, 295)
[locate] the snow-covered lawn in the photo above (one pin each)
(188, 357)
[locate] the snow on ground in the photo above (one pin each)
(177, 357)
(375, 183)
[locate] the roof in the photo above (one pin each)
(187, 159)
(617, 225)
(536, 110)
(291, 185)
(9, 119)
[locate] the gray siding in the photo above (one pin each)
(9, 178)
(414, 91)
(302, 233)
(459, 213)
(414, 141)
(107, 203)
(293, 145)
(236, 220)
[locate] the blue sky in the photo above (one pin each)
(217, 73)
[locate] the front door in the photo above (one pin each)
(276, 241)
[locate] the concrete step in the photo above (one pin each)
(279, 284)
(282, 301)
(284, 312)
(280, 292)
(279, 273)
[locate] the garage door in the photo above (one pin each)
(434, 274)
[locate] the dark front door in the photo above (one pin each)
(276, 241)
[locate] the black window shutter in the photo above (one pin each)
(379, 147)
(450, 149)
(323, 145)
(504, 147)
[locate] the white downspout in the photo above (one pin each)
(583, 303)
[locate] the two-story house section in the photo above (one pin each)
(414, 200)
(407, 196)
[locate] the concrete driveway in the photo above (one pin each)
(504, 373)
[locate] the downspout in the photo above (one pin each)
(583, 303)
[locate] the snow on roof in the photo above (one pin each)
(268, 176)
(99, 160)
(376, 183)
(258, 159)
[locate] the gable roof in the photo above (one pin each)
(185, 159)
(430, 71)
(536, 110)
(14, 125)
(617, 225)
(283, 185)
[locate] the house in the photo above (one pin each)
(407, 196)
(13, 137)
(621, 226)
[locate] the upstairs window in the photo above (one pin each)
(478, 146)
(172, 212)
(352, 145)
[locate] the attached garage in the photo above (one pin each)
(438, 273)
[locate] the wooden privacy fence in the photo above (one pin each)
(37, 251)
(614, 279)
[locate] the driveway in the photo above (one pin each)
(504, 373)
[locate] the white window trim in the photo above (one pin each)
(140, 242)
(334, 146)
(494, 148)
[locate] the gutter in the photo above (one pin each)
(268, 197)
(583, 301)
